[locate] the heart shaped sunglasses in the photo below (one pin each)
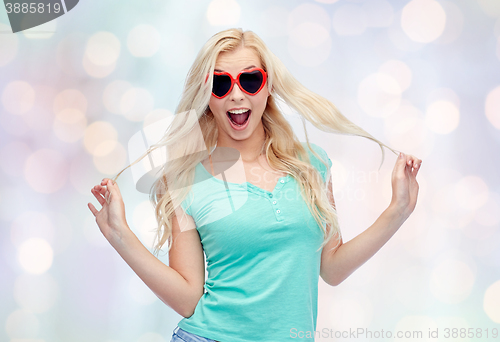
(250, 81)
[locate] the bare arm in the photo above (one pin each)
(179, 286)
(341, 263)
(337, 264)
(167, 283)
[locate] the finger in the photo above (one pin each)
(417, 168)
(111, 191)
(414, 164)
(101, 189)
(408, 173)
(105, 181)
(93, 209)
(411, 168)
(399, 169)
(112, 185)
(98, 196)
(410, 160)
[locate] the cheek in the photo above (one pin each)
(261, 100)
(211, 104)
(215, 106)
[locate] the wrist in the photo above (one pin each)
(397, 212)
(124, 237)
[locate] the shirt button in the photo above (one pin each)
(274, 202)
(282, 181)
(270, 195)
(278, 211)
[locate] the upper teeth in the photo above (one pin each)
(238, 111)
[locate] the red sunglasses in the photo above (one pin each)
(250, 81)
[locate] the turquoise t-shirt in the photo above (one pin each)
(262, 259)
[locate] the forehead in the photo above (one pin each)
(236, 60)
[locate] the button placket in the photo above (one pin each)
(275, 206)
(274, 200)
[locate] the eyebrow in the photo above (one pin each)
(248, 67)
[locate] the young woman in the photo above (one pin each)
(267, 237)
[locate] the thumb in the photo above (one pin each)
(401, 163)
(110, 187)
(113, 187)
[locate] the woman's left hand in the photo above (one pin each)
(404, 184)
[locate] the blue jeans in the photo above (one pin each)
(180, 335)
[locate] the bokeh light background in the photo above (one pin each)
(423, 76)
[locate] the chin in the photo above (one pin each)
(240, 136)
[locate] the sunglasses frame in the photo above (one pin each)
(237, 81)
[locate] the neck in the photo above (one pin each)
(249, 148)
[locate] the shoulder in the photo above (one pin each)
(323, 163)
(319, 151)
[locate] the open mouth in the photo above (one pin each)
(239, 119)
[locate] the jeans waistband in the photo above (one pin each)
(190, 337)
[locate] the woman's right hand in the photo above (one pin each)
(111, 218)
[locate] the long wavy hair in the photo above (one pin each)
(283, 151)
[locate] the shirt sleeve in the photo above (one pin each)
(318, 164)
(186, 204)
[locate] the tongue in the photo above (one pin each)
(240, 118)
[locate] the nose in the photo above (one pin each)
(236, 93)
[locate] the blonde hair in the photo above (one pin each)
(284, 152)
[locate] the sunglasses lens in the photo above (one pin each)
(251, 81)
(222, 84)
